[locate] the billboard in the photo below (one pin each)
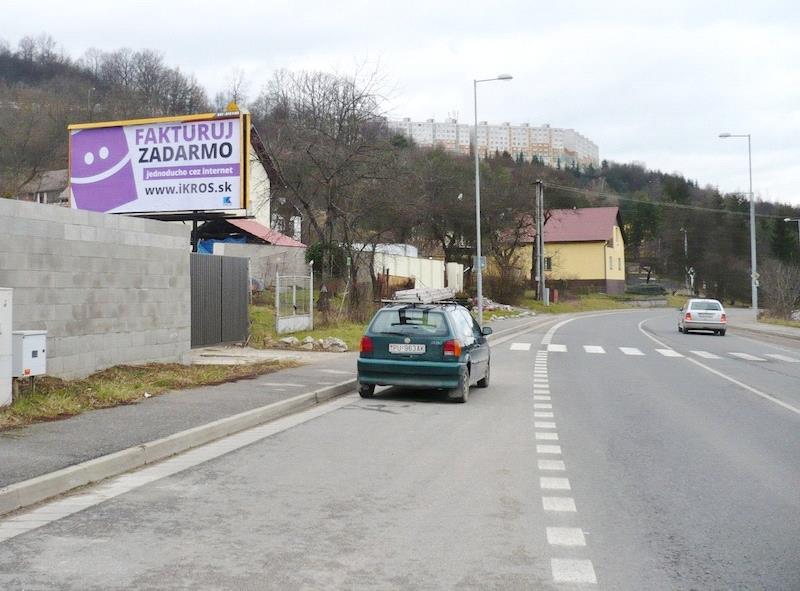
(169, 164)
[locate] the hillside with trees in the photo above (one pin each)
(358, 185)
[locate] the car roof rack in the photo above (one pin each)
(440, 295)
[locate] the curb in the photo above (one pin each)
(757, 331)
(35, 490)
(28, 492)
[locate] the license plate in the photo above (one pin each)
(406, 349)
(706, 315)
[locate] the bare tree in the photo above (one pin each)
(780, 286)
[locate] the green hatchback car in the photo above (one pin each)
(436, 345)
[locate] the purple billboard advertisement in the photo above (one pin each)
(160, 166)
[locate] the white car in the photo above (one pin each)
(700, 314)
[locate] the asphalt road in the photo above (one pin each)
(573, 470)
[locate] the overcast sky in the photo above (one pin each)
(654, 84)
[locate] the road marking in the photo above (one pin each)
(551, 483)
(543, 415)
(705, 355)
(561, 504)
(282, 384)
(337, 371)
(759, 393)
(119, 485)
(546, 436)
(537, 397)
(594, 349)
(548, 449)
(544, 425)
(631, 351)
(747, 356)
(669, 353)
(551, 465)
(565, 536)
(783, 358)
(557, 348)
(569, 570)
(520, 346)
(542, 405)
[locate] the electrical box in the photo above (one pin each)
(30, 353)
(5, 345)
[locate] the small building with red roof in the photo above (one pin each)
(584, 249)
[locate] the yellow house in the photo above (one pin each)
(583, 248)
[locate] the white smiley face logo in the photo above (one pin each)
(103, 153)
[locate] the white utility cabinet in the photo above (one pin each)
(30, 353)
(5, 345)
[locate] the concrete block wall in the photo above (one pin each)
(108, 289)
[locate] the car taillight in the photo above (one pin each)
(452, 348)
(688, 316)
(366, 344)
(724, 318)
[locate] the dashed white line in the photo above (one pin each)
(544, 425)
(556, 348)
(594, 349)
(555, 465)
(705, 354)
(631, 351)
(565, 536)
(542, 405)
(546, 436)
(538, 397)
(543, 415)
(559, 504)
(548, 449)
(747, 357)
(552, 483)
(783, 358)
(520, 346)
(569, 570)
(669, 353)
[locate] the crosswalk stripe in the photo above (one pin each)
(520, 346)
(631, 351)
(783, 358)
(594, 349)
(557, 348)
(669, 353)
(705, 355)
(747, 357)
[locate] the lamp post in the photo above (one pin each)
(798, 226)
(753, 273)
(478, 194)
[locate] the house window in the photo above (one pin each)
(548, 263)
(619, 263)
(611, 263)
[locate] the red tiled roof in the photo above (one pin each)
(588, 224)
(259, 230)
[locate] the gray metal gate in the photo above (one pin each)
(294, 303)
(220, 292)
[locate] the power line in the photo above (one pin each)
(589, 193)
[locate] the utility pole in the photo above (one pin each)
(540, 284)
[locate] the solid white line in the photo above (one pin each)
(551, 465)
(565, 536)
(631, 351)
(520, 346)
(594, 349)
(569, 570)
(551, 483)
(548, 449)
(562, 504)
(763, 395)
(747, 356)
(669, 353)
(783, 358)
(557, 348)
(705, 355)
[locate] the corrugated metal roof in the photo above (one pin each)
(587, 224)
(258, 230)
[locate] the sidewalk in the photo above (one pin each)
(743, 320)
(46, 450)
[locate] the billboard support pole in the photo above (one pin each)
(194, 232)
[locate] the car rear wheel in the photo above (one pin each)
(366, 390)
(461, 392)
(722, 333)
(484, 382)
(680, 328)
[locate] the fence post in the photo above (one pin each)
(277, 302)
(311, 293)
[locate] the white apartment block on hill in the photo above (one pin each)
(551, 145)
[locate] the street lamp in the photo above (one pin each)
(753, 273)
(478, 193)
(798, 226)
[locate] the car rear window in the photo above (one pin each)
(411, 321)
(706, 306)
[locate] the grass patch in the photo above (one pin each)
(779, 321)
(124, 384)
(584, 303)
(263, 335)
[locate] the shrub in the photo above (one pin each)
(646, 289)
